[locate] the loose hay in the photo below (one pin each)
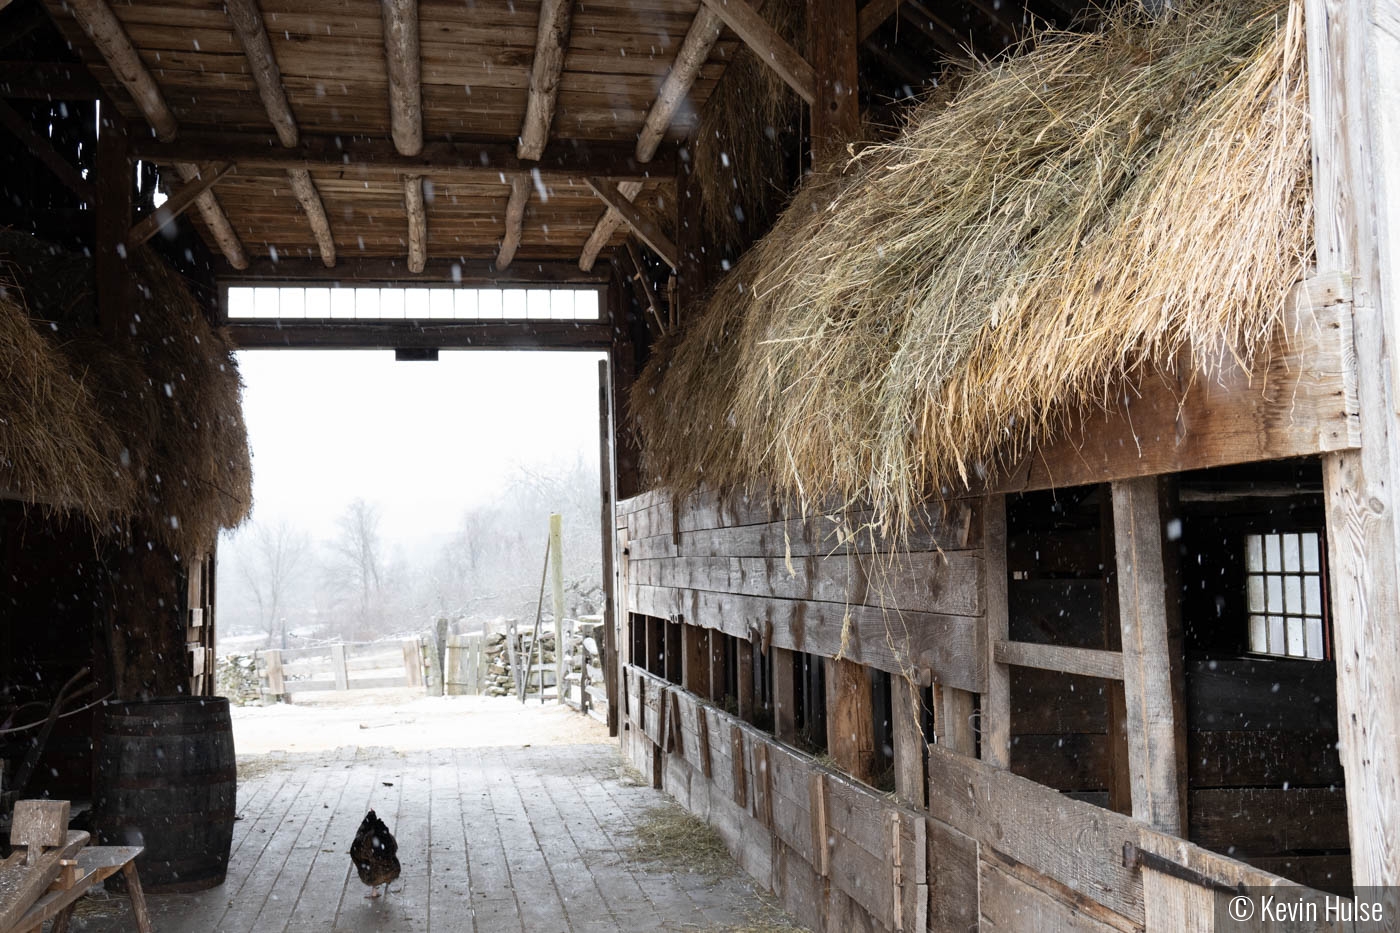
(1080, 210)
(679, 841)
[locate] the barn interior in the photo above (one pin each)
(997, 413)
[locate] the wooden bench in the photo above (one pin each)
(52, 867)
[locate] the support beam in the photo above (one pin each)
(357, 157)
(515, 220)
(772, 49)
(1353, 55)
(391, 335)
(695, 49)
(1153, 670)
(831, 51)
(176, 204)
(996, 701)
(44, 151)
(850, 719)
(417, 223)
(112, 204)
(97, 19)
(405, 74)
(390, 271)
(646, 295)
(906, 724)
(784, 694)
(252, 33)
(641, 223)
(873, 15)
(551, 42)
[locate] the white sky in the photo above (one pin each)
(424, 440)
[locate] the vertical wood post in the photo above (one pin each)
(695, 659)
(831, 51)
(953, 713)
(1153, 673)
(1354, 53)
(784, 695)
(909, 749)
(717, 667)
(276, 686)
(1120, 788)
(113, 207)
(556, 575)
(850, 719)
(339, 668)
(744, 678)
(996, 702)
(608, 525)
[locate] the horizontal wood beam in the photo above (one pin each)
(391, 335)
(354, 156)
(642, 224)
(873, 15)
(176, 204)
(467, 273)
(47, 81)
(44, 151)
(772, 49)
(1086, 662)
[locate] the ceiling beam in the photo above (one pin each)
(43, 150)
(872, 16)
(252, 33)
(466, 273)
(405, 74)
(102, 25)
(175, 205)
(515, 220)
(551, 42)
(417, 222)
(772, 49)
(396, 335)
(695, 49)
(642, 224)
(356, 157)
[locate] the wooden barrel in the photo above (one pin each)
(167, 780)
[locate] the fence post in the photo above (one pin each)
(556, 557)
(412, 663)
(276, 687)
(339, 668)
(432, 663)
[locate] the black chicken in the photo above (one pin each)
(375, 854)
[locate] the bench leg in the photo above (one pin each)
(60, 923)
(138, 898)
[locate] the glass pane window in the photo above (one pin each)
(1284, 594)
(288, 302)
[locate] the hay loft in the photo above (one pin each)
(1077, 211)
(146, 426)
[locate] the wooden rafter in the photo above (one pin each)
(551, 43)
(772, 49)
(405, 74)
(98, 21)
(44, 151)
(417, 222)
(252, 33)
(644, 225)
(699, 40)
(641, 284)
(515, 220)
(352, 156)
(175, 205)
(873, 15)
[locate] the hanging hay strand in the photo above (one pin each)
(147, 426)
(1086, 207)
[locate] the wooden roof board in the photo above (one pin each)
(476, 57)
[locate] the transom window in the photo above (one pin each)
(1284, 583)
(415, 304)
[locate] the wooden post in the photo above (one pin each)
(1353, 50)
(784, 695)
(113, 208)
(1153, 674)
(831, 51)
(717, 667)
(953, 714)
(695, 667)
(608, 525)
(909, 749)
(1120, 792)
(276, 687)
(556, 581)
(744, 680)
(996, 702)
(850, 719)
(339, 668)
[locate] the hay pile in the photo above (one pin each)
(1077, 211)
(145, 427)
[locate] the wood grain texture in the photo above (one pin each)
(1152, 662)
(1086, 662)
(401, 51)
(646, 227)
(107, 33)
(996, 701)
(546, 72)
(514, 221)
(768, 46)
(850, 723)
(695, 49)
(417, 223)
(910, 780)
(176, 204)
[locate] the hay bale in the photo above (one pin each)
(1076, 211)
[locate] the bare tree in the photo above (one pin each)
(358, 562)
(271, 562)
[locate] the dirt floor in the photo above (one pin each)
(508, 818)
